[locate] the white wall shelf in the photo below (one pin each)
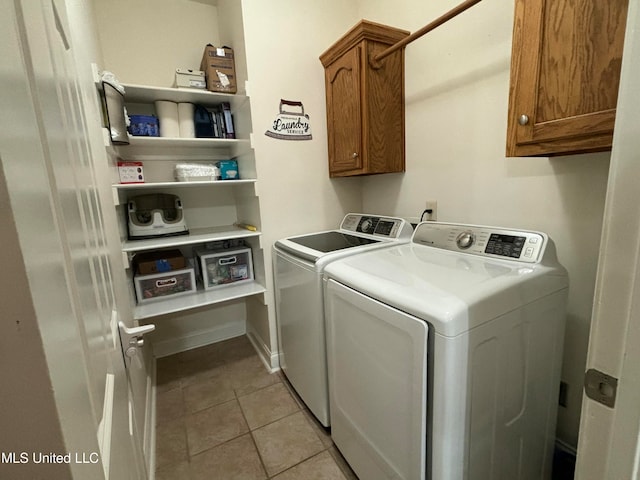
(148, 94)
(196, 235)
(200, 298)
(121, 191)
(166, 148)
(165, 185)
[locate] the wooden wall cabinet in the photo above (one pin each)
(365, 102)
(565, 70)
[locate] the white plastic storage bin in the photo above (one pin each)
(159, 286)
(222, 268)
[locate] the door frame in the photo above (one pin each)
(609, 442)
(41, 91)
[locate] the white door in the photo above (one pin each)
(51, 182)
(609, 442)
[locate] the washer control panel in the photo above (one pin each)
(524, 246)
(387, 227)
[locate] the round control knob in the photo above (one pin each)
(465, 240)
(366, 225)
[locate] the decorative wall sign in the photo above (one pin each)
(290, 125)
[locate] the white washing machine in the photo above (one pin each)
(444, 355)
(298, 266)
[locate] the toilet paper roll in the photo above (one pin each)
(168, 118)
(185, 120)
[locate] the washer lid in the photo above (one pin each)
(358, 232)
(452, 291)
(331, 241)
(322, 247)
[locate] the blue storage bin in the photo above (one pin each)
(143, 126)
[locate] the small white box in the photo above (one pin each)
(223, 268)
(159, 286)
(187, 78)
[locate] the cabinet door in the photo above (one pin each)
(565, 70)
(344, 118)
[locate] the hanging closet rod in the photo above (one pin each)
(426, 29)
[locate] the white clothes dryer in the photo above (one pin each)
(298, 264)
(444, 355)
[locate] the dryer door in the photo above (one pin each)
(377, 359)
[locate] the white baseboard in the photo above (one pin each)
(219, 333)
(269, 359)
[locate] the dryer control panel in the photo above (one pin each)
(387, 227)
(496, 242)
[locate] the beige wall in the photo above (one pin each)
(457, 84)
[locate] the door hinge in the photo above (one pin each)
(601, 387)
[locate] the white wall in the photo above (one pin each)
(144, 41)
(457, 84)
(284, 39)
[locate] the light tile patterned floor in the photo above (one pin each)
(221, 415)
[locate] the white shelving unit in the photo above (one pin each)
(201, 298)
(146, 94)
(196, 236)
(187, 149)
(166, 185)
(159, 155)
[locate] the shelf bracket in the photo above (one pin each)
(116, 196)
(126, 260)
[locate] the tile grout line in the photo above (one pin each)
(253, 440)
(299, 410)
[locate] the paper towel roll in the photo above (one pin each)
(168, 118)
(185, 120)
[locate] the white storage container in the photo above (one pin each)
(159, 286)
(196, 172)
(187, 78)
(222, 268)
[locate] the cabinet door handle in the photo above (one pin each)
(523, 120)
(355, 155)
